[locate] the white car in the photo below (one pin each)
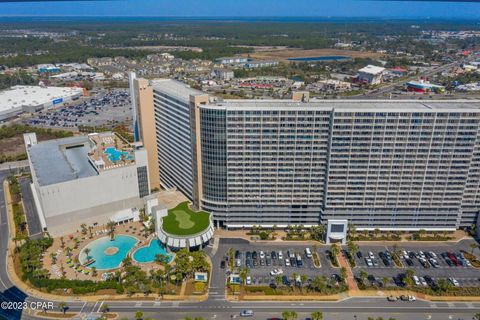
(433, 254)
(287, 262)
(416, 280)
(454, 282)
(248, 280)
(423, 282)
(369, 262)
(280, 255)
(412, 298)
(262, 255)
(276, 272)
(371, 255)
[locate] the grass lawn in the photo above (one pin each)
(183, 221)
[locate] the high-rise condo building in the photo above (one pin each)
(392, 165)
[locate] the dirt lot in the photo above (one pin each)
(281, 54)
(15, 146)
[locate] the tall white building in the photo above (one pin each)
(85, 179)
(393, 165)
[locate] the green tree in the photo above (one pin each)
(87, 251)
(289, 315)
(244, 274)
(105, 308)
(111, 229)
(84, 228)
(138, 315)
(317, 315)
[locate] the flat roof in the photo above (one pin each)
(30, 96)
(371, 69)
(176, 89)
(352, 105)
(61, 160)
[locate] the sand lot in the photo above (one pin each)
(284, 54)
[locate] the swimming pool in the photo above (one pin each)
(148, 253)
(116, 155)
(321, 58)
(106, 253)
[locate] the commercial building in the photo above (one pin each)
(392, 165)
(20, 99)
(370, 75)
(86, 179)
(231, 60)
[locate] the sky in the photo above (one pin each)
(243, 8)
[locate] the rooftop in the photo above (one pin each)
(61, 160)
(19, 96)
(176, 89)
(370, 69)
(352, 105)
(182, 221)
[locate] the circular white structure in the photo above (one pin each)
(174, 241)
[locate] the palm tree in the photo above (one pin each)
(343, 274)
(278, 280)
(68, 251)
(63, 307)
(334, 251)
(94, 272)
(352, 247)
(385, 281)
(53, 255)
(62, 242)
(244, 274)
(111, 229)
(105, 308)
(289, 315)
(363, 275)
(317, 315)
(87, 252)
(138, 315)
(84, 228)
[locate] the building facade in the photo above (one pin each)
(85, 179)
(392, 165)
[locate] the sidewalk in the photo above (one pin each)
(351, 283)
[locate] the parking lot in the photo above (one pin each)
(427, 273)
(429, 262)
(263, 258)
(104, 108)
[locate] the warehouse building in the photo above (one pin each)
(392, 165)
(86, 179)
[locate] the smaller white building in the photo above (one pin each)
(337, 231)
(370, 74)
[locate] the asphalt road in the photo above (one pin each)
(216, 307)
(33, 222)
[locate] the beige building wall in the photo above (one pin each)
(195, 102)
(146, 124)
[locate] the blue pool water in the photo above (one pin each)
(116, 155)
(147, 254)
(103, 261)
(322, 58)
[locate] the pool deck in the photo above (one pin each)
(107, 140)
(71, 273)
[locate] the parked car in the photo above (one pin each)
(392, 298)
(248, 281)
(454, 282)
(246, 313)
